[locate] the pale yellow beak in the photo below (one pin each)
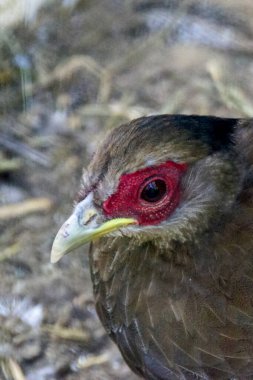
(81, 228)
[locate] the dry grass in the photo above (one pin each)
(65, 79)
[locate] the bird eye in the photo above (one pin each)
(154, 191)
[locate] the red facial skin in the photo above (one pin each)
(127, 200)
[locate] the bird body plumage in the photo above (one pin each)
(183, 308)
(177, 297)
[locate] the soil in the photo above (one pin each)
(68, 73)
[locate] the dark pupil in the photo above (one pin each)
(154, 191)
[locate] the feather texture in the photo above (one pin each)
(177, 297)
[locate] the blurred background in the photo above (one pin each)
(69, 71)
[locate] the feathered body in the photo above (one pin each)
(177, 296)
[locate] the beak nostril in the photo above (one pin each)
(88, 216)
(89, 219)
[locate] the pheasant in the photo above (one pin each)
(167, 204)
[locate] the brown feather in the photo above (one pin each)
(177, 298)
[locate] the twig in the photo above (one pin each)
(116, 109)
(29, 206)
(66, 333)
(91, 360)
(9, 165)
(9, 252)
(232, 97)
(15, 369)
(71, 66)
(24, 150)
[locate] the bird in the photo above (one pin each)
(166, 205)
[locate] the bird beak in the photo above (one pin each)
(81, 228)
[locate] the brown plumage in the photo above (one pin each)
(173, 289)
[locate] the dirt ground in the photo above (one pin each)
(69, 71)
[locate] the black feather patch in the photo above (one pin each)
(216, 132)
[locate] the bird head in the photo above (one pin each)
(159, 178)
